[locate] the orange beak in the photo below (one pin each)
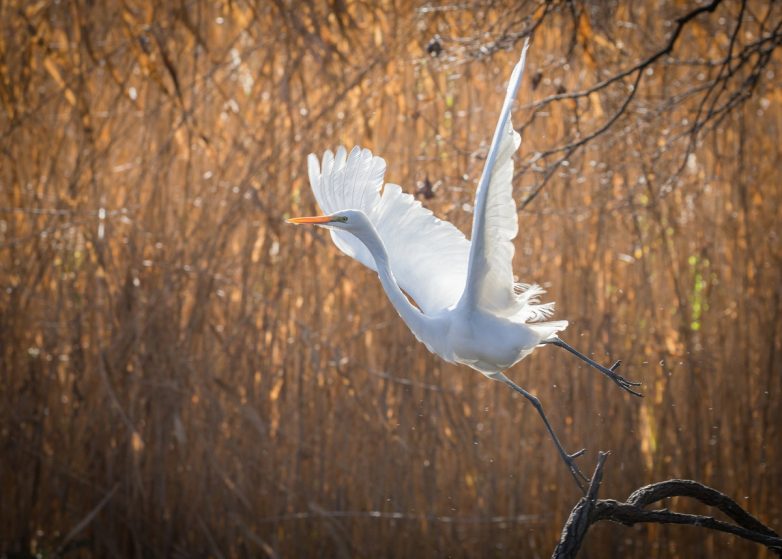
(315, 219)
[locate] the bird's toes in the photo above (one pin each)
(628, 383)
(622, 381)
(628, 388)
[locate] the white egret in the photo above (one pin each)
(468, 309)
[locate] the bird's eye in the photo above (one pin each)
(343, 218)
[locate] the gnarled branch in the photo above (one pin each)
(590, 510)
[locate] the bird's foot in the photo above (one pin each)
(610, 372)
(620, 381)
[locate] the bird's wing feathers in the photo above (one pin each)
(428, 256)
(431, 259)
(495, 226)
(490, 285)
(336, 187)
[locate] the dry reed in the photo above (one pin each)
(183, 374)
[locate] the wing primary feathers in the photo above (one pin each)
(502, 125)
(490, 276)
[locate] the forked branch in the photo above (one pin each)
(590, 510)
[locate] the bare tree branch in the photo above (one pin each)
(590, 510)
(681, 22)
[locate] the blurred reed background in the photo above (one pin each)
(183, 374)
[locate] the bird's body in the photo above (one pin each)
(488, 343)
(468, 308)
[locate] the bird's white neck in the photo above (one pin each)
(417, 321)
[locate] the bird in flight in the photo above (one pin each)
(468, 308)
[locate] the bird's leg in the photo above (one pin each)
(570, 459)
(610, 372)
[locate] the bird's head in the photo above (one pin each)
(348, 220)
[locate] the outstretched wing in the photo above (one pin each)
(428, 256)
(490, 285)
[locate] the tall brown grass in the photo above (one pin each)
(183, 374)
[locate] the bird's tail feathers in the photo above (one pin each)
(528, 299)
(548, 330)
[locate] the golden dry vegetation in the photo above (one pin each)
(183, 374)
